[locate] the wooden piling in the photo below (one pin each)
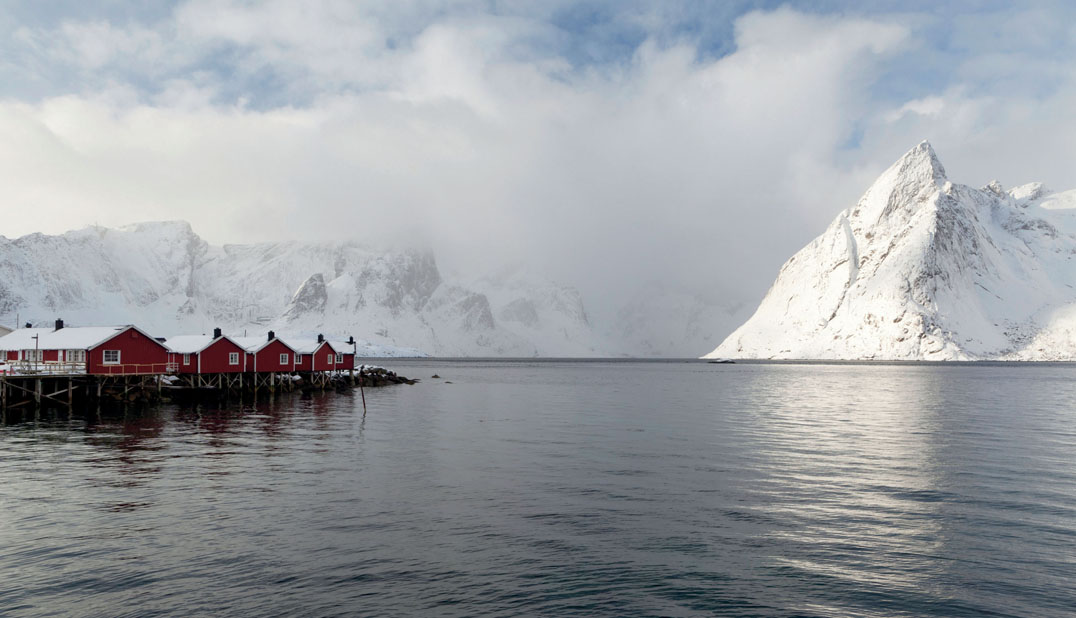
(363, 393)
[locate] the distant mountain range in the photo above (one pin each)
(922, 268)
(163, 276)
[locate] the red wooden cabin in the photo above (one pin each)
(345, 354)
(96, 350)
(129, 352)
(270, 355)
(315, 355)
(204, 354)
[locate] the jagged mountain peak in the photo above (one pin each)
(922, 160)
(902, 189)
(919, 166)
(995, 187)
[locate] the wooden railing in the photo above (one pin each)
(136, 369)
(54, 368)
(48, 368)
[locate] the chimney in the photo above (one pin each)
(272, 335)
(59, 324)
(29, 325)
(321, 338)
(216, 333)
(351, 339)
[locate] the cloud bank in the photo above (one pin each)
(610, 145)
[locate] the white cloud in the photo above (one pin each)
(472, 133)
(927, 106)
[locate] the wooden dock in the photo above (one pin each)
(30, 388)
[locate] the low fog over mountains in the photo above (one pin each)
(165, 277)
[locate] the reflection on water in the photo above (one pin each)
(527, 488)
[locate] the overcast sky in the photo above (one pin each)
(606, 143)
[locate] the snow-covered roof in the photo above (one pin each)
(68, 338)
(23, 338)
(307, 347)
(342, 347)
(193, 344)
(188, 344)
(255, 344)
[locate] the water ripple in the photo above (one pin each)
(566, 489)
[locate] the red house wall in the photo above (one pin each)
(304, 363)
(322, 360)
(177, 358)
(269, 358)
(50, 356)
(215, 358)
(138, 354)
(13, 355)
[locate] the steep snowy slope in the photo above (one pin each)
(163, 276)
(921, 268)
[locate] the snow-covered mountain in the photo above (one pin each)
(921, 268)
(165, 277)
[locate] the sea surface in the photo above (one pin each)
(522, 488)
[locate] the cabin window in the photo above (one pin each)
(233, 358)
(329, 359)
(34, 356)
(111, 357)
(76, 356)
(186, 359)
(339, 358)
(283, 359)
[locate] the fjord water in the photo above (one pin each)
(561, 488)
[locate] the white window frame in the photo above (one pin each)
(104, 357)
(329, 358)
(339, 358)
(186, 359)
(233, 358)
(76, 356)
(284, 358)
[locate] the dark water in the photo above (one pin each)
(521, 489)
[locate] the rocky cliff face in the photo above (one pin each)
(922, 268)
(163, 276)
